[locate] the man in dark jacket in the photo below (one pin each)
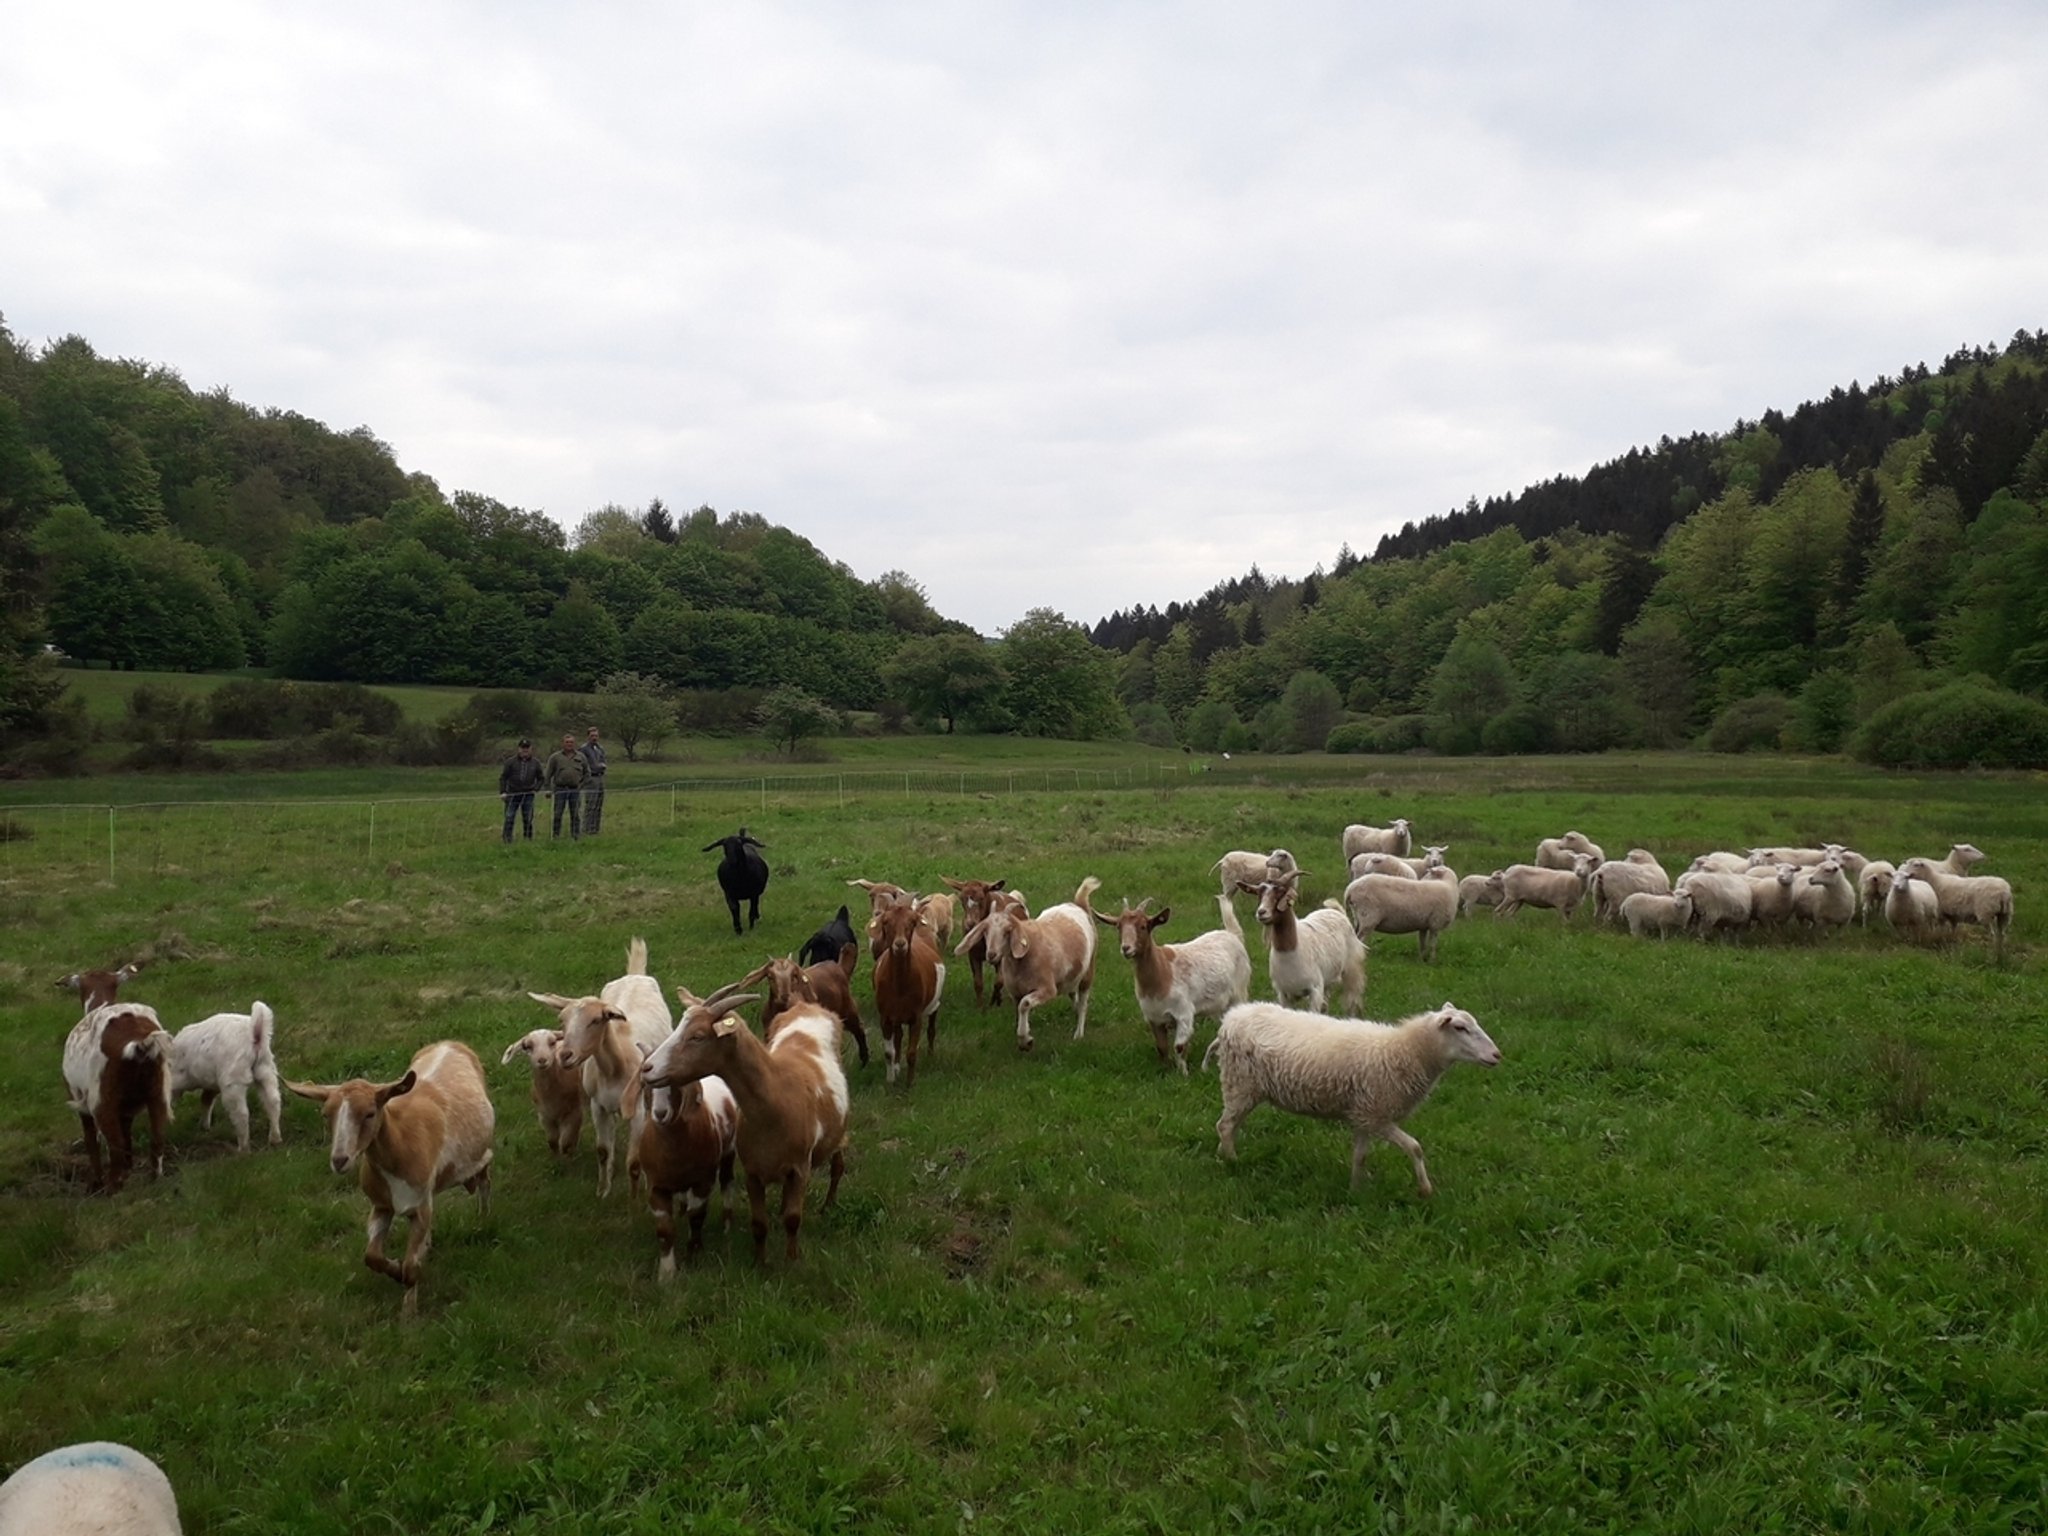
(517, 781)
(565, 772)
(593, 785)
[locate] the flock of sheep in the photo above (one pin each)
(700, 1093)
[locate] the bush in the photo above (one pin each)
(1755, 724)
(454, 740)
(1401, 733)
(1207, 722)
(268, 708)
(718, 711)
(1358, 736)
(1236, 737)
(1969, 724)
(152, 712)
(1153, 724)
(509, 712)
(1826, 711)
(1518, 731)
(1452, 737)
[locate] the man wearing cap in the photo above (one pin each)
(517, 781)
(593, 785)
(565, 772)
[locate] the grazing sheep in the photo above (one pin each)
(1984, 900)
(1382, 864)
(1558, 852)
(1475, 891)
(220, 1057)
(557, 1090)
(1371, 1076)
(1241, 868)
(1802, 858)
(1910, 907)
(1312, 956)
(1719, 864)
(1647, 912)
(1425, 906)
(1824, 898)
(1532, 885)
(742, 875)
(94, 1489)
(1618, 879)
(1393, 838)
(1719, 900)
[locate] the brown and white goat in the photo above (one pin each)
(96, 989)
(1041, 958)
(1309, 957)
(557, 1090)
(683, 1144)
(117, 1063)
(829, 984)
(935, 912)
(977, 900)
(1210, 973)
(409, 1140)
(910, 983)
(791, 1093)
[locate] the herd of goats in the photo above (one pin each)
(701, 1093)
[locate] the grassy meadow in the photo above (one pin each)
(1738, 1237)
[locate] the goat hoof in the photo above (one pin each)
(1024, 1045)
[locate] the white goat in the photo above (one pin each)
(1208, 974)
(95, 1489)
(1370, 1076)
(1310, 957)
(219, 1057)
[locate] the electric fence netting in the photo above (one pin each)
(202, 838)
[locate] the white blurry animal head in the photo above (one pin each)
(582, 1021)
(541, 1047)
(1466, 1040)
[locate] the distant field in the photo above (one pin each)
(1738, 1237)
(106, 692)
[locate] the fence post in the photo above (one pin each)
(373, 831)
(110, 844)
(671, 805)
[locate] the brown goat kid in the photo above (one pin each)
(411, 1139)
(1041, 958)
(910, 982)
(791, 1093)
(977, 900)
(829, 984)
(557, 1090)
(683, 1145)
(117, 1063)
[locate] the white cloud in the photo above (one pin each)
(1075, 307)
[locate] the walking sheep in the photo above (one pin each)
(1370, 1076)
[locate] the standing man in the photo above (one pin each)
(593, 785)
(517, 781)
(565, 774)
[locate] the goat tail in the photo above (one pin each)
(1230, 923)
(262, 1029)
(636, 958)
(1086, 889)
(154, 1047)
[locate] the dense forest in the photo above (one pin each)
(1869, 570)
(145, 525)
(1786, 583)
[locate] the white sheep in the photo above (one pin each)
(1719, 863)
(1531, 885)
(220, 1057)
(1382, 864)
(1647, 912)
(1394, 838)
(1558, 852)
(1801, 858)
(1476, 891)
(1984, 900)
(1425, 906)
(1960, 859)
(1618, 879)
(1241, 868)
(1310, 957)
(94, 1489)
(1824, 897)
(1770, 893)
(1371, 1076)
(1874, 885)
(1910, 907)
(1719, 900)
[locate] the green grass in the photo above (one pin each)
(1739, 1237)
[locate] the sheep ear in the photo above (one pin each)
(319, 1093)
(404, 1085)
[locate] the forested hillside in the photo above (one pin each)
(145, 525)
(1779, 584)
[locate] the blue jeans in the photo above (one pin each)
(571, 799)
(519, 805)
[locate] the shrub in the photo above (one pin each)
(152, 711)
(267, 708)
(1401, 733)
(454, 740)
(1826, 710)
(1969, 724)
(1357, 736)
(509, 712)
(1519, 730)
(718, 711)
(1154, 726)
(1236, 737)
(1754, 724)
(1207, 722)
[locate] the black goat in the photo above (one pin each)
(742, 875)
(829, 940)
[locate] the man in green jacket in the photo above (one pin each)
(565, 772)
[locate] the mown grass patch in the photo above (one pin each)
(1737, 1237)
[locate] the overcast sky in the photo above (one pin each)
(1075, 306)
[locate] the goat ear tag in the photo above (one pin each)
(724, 1025)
